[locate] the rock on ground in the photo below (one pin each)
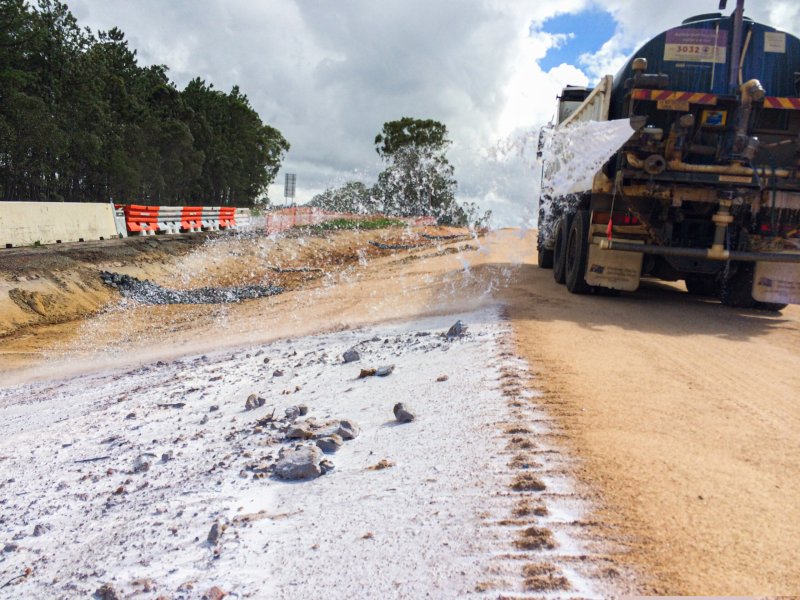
(214, 593)
(299, 463)
(348, 430)
(458, 329)
(141, 463)
(147, 292)
(107, 592)
(253, 401)
(351, 355)
(330, 443)
(403, 413)
(299, 432)
(215, 532)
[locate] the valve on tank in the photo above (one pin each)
(745, 146)
(654, 164)
(678, 134)
(643, 80)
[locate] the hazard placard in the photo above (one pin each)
(696, 45)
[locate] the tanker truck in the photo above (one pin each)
(705, 188)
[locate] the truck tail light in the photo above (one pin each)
(601, 218)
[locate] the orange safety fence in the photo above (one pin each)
(298, 216)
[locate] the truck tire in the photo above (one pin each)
(770, 306)
(577, 253)
(737, 289)
(560, 249)
(545, 258)
(700, 285)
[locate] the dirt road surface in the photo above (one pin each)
(686, 415)
(683, 414)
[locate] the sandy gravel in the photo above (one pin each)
(683, 413)
(686, 414)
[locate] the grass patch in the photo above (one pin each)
(346, 224)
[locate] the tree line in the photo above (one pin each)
(418, 179)
(82, 121)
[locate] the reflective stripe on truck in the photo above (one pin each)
(708, 99)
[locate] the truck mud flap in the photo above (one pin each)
(777, 283)
(613, 269)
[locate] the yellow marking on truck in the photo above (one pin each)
(735, 179)
(679, 105)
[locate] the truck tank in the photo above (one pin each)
(707, 189)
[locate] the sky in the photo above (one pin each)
(329, 74)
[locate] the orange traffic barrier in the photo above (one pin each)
(148, 220)
(227, 217)
(192, 218)
(141, 219)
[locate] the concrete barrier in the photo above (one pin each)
(28, 223)
(119, 221)
(244, 220)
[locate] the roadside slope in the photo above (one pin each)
(352, 282)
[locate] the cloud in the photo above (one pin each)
(640, 20)
(329, 74)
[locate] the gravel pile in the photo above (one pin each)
(148, 292)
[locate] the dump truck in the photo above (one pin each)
(707, 187)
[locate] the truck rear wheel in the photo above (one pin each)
(737, 289)
(545, 258)
(700, 285)
(771, 306)
(560, 249)
(578, 253)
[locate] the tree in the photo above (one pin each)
(81, 120)
(352, 197)
(473, 216)
(243, 155)
(408, 132)
(419, 180)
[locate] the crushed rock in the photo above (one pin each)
(147, 292)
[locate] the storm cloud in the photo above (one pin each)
(328, 74)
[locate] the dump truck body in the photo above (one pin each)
(707, 188)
